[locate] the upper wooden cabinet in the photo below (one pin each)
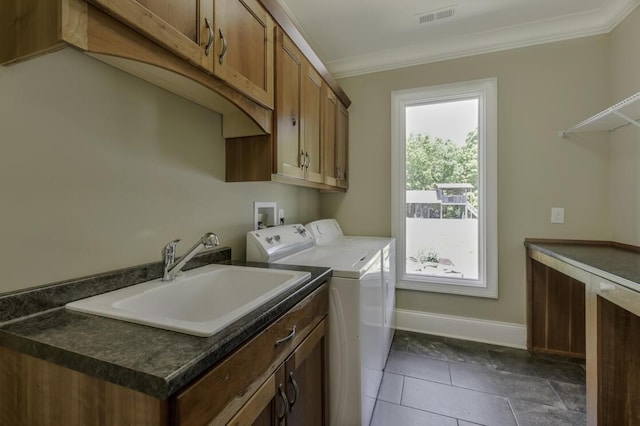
(298, 110)
(244, 55)
(309, 143)
(185, 28)
(289, 126)
(232, 39)
(335, 134)
(157, 40)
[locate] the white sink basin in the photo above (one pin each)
(201, 302)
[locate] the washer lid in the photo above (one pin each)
(345, 262)
(325, 231)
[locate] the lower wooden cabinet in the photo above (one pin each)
(613, 360)
(556, 306)
(222, 391)
(296, 394)
(279, 377)
(578, 313)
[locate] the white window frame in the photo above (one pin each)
(486, 90)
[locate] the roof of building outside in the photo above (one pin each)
(454, 186)
(422, 197)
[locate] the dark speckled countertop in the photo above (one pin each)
(610, 261)
(151, 360)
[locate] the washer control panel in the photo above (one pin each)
(271, 244)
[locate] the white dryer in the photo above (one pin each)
(328, 233)
(359, 327)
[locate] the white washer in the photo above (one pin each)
(360, 329)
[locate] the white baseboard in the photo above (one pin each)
(494, 332)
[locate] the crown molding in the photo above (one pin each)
(601, 21)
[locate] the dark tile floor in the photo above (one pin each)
(432, 380)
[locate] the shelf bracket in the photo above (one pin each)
(627, 118)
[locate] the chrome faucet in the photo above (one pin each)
(171, 267)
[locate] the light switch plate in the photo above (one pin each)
(557, 215)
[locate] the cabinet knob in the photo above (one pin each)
(606, 287)
(294, 120)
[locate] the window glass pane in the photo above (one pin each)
(442, 187)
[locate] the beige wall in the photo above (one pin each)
(541, 90)
(625, 143)
(100, 169)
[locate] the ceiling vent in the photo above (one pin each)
(425, 18)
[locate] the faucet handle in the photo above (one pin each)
(169, 251)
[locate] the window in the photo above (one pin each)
(444, 187)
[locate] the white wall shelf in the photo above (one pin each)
(621, 114)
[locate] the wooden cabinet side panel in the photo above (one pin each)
(342, 146)
(578, 317)
(538, 304)
(35, 392)
(28, 27)
(618, 365)
(329, 132)
(248, 159)
(559, 310)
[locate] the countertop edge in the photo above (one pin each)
(539, 245)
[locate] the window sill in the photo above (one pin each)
(490, 292)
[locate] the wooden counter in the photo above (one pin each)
(583, 300)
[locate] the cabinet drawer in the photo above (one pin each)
(221, 392)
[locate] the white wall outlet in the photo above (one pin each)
(264, 214)
(557, 215)
(281, 216)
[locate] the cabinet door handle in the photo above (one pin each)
(308, 162)
(285, 405)
(296, 391)
(207, 48)
(287, 338)
(294, 121)
(302, 160)
(223, 53)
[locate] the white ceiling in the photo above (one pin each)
(360, 36)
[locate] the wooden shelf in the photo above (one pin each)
(619, 115)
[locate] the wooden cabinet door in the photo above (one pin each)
(329, 118)
(266, 407)
(288, 137)
(342, 146)
(244, 48)
(185, 28)
(298, 109)
(311, 110)
(306, 376)
(335, 137)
